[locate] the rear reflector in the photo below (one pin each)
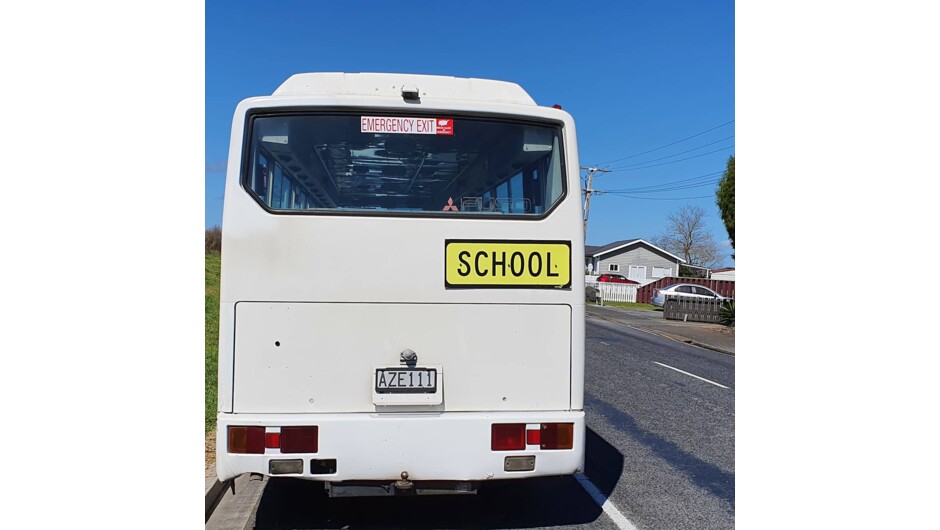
(272, 439)
(557, 436)
(508, 437)
(286, 467)
(244, 440)
(299, 439)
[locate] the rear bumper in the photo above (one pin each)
(431, 446)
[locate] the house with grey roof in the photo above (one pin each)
(636, 259)
(723, 274)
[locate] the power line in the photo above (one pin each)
(688, 183)
(661, 198)
(676, 154)
(671, 188)
(626, 168)
(667, 145)
(671, 183)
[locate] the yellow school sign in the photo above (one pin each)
(507, 264)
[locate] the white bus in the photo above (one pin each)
(402, 298)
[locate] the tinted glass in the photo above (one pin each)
(449, 166)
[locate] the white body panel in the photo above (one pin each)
(343, 294)
(327, 354)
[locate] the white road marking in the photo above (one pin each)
(690, 375)
(622, 522)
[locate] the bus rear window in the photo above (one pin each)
(445, 165)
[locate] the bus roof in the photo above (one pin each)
(390, 85)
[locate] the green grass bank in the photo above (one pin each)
(213, 270)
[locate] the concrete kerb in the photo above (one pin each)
(215, 489)
(690, 341)
(238, 507)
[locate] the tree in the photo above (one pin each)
(724, 198)
(687, 237)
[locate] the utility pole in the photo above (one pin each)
(588, 191)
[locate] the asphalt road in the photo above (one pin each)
(675, 432)
(660, 446)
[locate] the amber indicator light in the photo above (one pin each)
(557, 436)
(246, 440)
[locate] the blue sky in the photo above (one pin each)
(636, 76)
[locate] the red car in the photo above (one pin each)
(614, 278)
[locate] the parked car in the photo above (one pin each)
(614, 278)
(684, 289)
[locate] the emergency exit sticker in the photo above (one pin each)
(506, 264)
(402, 125)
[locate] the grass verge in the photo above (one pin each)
(213, 270)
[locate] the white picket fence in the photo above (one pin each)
(613, 292)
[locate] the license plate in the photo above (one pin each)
(406, 381)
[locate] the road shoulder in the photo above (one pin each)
(709, 336)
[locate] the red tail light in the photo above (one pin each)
(508, 437)
(533, 437)
(299, 439)
(246, 440)
(557, 436)
(272, 440)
